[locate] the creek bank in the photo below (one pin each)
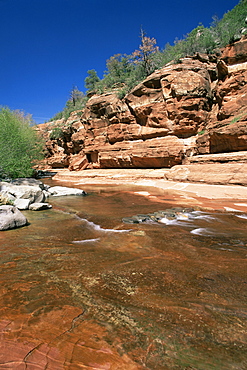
(27, 194)
(155, 186)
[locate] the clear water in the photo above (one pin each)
(82, 289)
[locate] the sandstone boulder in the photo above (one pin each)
(231, 137)
(197, 106)
(78, 138)
(127, 132)
(236, 52)
(225, 130)
(78, 162)
(109, 106)
(177, 97)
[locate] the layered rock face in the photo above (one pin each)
(195, 107)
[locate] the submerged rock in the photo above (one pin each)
(11, 218)
(170, 214)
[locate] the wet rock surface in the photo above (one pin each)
(81, 289)
(164, 216)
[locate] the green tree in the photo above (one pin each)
(170, 53)
(206, 40)
(91, 80)
(76, 102)
(125, 71)
(119, 72)
(20, 145)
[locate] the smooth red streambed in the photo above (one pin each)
(82, 290)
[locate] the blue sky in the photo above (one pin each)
(47, 46)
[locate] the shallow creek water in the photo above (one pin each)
(80, 289)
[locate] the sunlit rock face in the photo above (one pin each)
(147, 128)
(236, 53)
(152, 153)
(226, 128)
(197, 106)
(177, 97)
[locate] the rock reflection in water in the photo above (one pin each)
(81, 289)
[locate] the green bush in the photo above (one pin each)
(20, 146)
(56, 133)
(91, 80)
(228, 29)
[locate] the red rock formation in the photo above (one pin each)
(236, 53)
(195, 107)
(152, 153)
(226, 129)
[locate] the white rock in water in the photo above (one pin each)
(28, 181)
(63, 190)
(34, 193)
(39, 206)
(22, 203)
(11, 217)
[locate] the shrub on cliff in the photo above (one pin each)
(56, 133)
(231, 27)
(20, 146)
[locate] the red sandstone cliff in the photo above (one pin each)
(196, 107)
